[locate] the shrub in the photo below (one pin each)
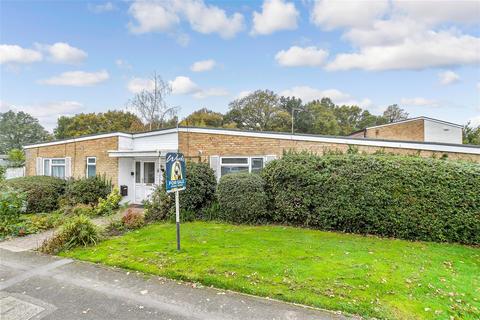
(12, 204)
(77, 231)
(199, 194)
(44, 221)
(110, 204)
(133, 219)
(160, 205)
(241, 198)
(87, 190)
(78, 210)
(2, 173)
(396, 196)
(42, 192)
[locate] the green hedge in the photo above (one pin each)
(87, 190)
(42, 192)
(395, 196)
(242, 199)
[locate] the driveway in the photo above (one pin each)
(35, 286)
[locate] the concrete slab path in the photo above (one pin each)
(35, 286)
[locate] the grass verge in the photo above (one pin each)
(372, 277)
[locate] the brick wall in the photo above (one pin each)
(406, 131)
(78, 151)
(205, 145)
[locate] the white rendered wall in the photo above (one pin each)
(168, 141)
(125, 167)
(440, 132)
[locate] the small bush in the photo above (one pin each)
(160, 205)
(241, 198)
(12, 205)
(133, 219)
(87, 190)
(199, 194)
(110, 204)
(2, 173)
(405, 197)
(44, 221)
(77, 231)
(42, 192)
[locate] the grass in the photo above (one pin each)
(368, 276)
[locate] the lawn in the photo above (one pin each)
(369, 276)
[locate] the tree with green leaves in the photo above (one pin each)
(18, 129)
(471, 134)
(204, 118)
(259, 110)
(16, 158)
(394, 113)
(93, 123)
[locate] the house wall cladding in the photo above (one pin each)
(78, 151)
(204, 145)
(406, 131)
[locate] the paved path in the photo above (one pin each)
(35, 286)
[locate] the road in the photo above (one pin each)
(35, 286)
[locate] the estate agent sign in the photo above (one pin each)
(176, 180)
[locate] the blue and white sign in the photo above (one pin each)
(176, 172)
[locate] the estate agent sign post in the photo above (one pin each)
(176, 180)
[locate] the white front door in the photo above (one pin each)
(145, 173)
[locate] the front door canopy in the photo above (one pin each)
(138, 153)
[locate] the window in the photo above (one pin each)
(149, 172)
(241, 164)
(91, 167)
(54, 167)
(138, 165)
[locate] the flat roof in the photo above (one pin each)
(432, 146)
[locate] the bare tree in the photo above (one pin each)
(151, 104)
(394, 113)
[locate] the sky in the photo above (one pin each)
(67, 57)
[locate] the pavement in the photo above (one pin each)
(36, 286)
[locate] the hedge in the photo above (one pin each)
(42, 192)
(87, 190)
(394, 196)
(242, 199)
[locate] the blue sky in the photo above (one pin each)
(66, 57)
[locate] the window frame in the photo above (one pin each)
(51, 165)
(91, 164)
(245, 165)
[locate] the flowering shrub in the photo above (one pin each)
(109, 204)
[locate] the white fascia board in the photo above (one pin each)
(98, 136)
(154, 133)
(352, 141)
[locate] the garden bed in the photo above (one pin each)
(369, 276)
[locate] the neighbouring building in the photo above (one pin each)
(136, 161)
(416, 129)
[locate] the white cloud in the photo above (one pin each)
(419, 51)
(17, 54)
(151, 16)
(297, 56)
(419, 102)
(137, 85)
(331, 14)
(243, 94)
(77, 78)
(162, 16)
(440, 10)
(308, 94)
(184, 85)
(276, 15)
(204, 65)
(212, 92)
(62, 52)
(123, 64)
(48, 113)
(100, 8)
(448, 77)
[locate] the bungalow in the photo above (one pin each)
(135, 161)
